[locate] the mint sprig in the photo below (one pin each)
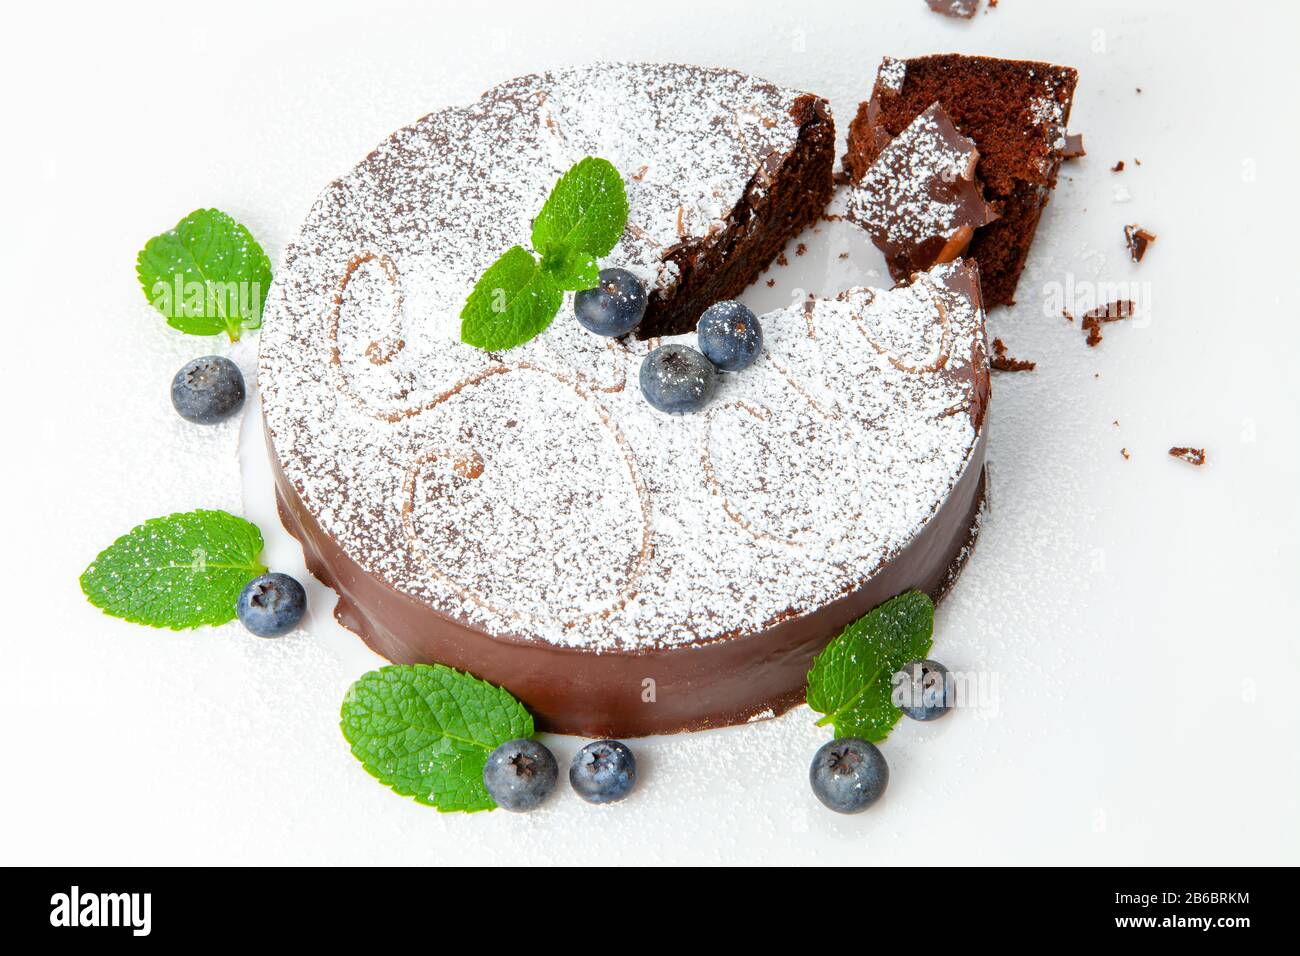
(207, 275)
(519, 294)
(426, 730)
(181, 571)
(850, 683)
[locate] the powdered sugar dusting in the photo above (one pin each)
(534, 494)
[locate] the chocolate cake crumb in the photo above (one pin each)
(1193, 456)
(800, 249)
(1110, 312)
(782, 260)
(1068, 316)
(1073, 146)
(1118, 167)
(844, 255)
(957, 9)
(1137, 239)
(1005, 363)
(770, 283)
(1124, 452)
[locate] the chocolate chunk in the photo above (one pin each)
(1073, 146)
(920, 200)
(1137, 239)
(1118, 167)
(963, 9)
(1193, 456)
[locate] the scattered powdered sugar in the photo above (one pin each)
(534, 493)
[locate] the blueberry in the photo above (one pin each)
(849, 775)
(603, 772)
(615, 307)
(208, 390)
(922, 690)
(677, 379)
(729, 335)
(271, 605)
(520, 775)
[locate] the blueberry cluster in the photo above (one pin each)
(678, 378)
(674, 378)
(521, 774)
(850, 774)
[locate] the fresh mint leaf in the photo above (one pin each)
(568, 267)
(852, 679)
(426, 730)
(514, 301)
(180, 571)
(587, 210)
(207, 275)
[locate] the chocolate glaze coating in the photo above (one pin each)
(601, 695)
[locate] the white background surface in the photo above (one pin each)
(1139, 616)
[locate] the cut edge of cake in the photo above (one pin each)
(776, 206)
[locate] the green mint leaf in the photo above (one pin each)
(587, 210)
(514, 301)
(180, 571)
(852, 679)
(568, 267)
(208, 275)
(517, 297)
(426, 730)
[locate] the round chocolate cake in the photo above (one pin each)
(526, 515)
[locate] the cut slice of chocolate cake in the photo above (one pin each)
(1015, 111)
